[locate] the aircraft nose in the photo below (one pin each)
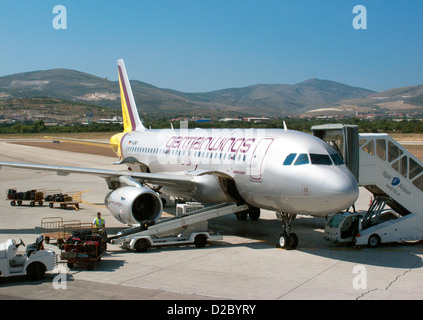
(342, 189)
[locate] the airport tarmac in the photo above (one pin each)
(246, 265)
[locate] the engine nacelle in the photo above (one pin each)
(132, 205)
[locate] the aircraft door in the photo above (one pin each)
(256, 164)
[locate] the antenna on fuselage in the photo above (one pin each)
(285, 128)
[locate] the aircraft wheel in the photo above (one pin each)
(283, 241)
(242, 216)
(293, 241)
(254, 213)
(289, 242)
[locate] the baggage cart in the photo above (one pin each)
(58, 229)
(64, 200)
(84, 246)
(18, 198)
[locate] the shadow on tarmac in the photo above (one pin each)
(310, 231)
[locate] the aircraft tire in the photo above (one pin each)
(242, 216)
(254, 213)
(293, 241)
(288, 242)
(283, 241)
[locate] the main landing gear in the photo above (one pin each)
(287, 240)
(253, 212)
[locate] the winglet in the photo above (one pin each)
(131, 119)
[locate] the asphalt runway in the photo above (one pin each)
(246, 265)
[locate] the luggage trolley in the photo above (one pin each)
(33, 196)
(84, 246)
(64, 199)
(56, 228)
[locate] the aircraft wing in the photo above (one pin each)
(183, 182)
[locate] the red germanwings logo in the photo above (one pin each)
(222, 144)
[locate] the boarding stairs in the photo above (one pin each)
(388, 169)
(380, 164)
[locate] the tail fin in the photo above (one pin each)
(131, 119)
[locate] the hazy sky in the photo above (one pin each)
(197, 45)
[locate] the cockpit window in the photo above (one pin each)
(302, 159)
(336, 158)
(289, 159)
(321, 159)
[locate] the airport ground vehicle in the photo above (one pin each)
(59, 229)
(187, 207)
(187, 227)
(34, 262)
(84, 246)
(33, 196)
(66, 199)
(391, 173)
(374, 227)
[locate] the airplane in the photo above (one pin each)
(282, 170)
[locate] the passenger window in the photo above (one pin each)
(289, 159)
(393, 152)
(302, 159)
(321, 159)
(381, 148)
(336, 158)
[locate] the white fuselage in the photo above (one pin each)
(276, 169)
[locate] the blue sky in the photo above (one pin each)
(198, 45)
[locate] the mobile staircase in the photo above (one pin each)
(182, 229)
(392, 174)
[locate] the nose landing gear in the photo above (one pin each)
(287, 240)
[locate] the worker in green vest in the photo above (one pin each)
(99, 222)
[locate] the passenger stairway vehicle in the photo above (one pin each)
(392, 174)
(182, 229)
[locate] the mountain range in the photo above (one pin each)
(313, 96)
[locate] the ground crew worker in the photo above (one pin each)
(99, 222)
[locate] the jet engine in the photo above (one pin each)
(132, 205)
